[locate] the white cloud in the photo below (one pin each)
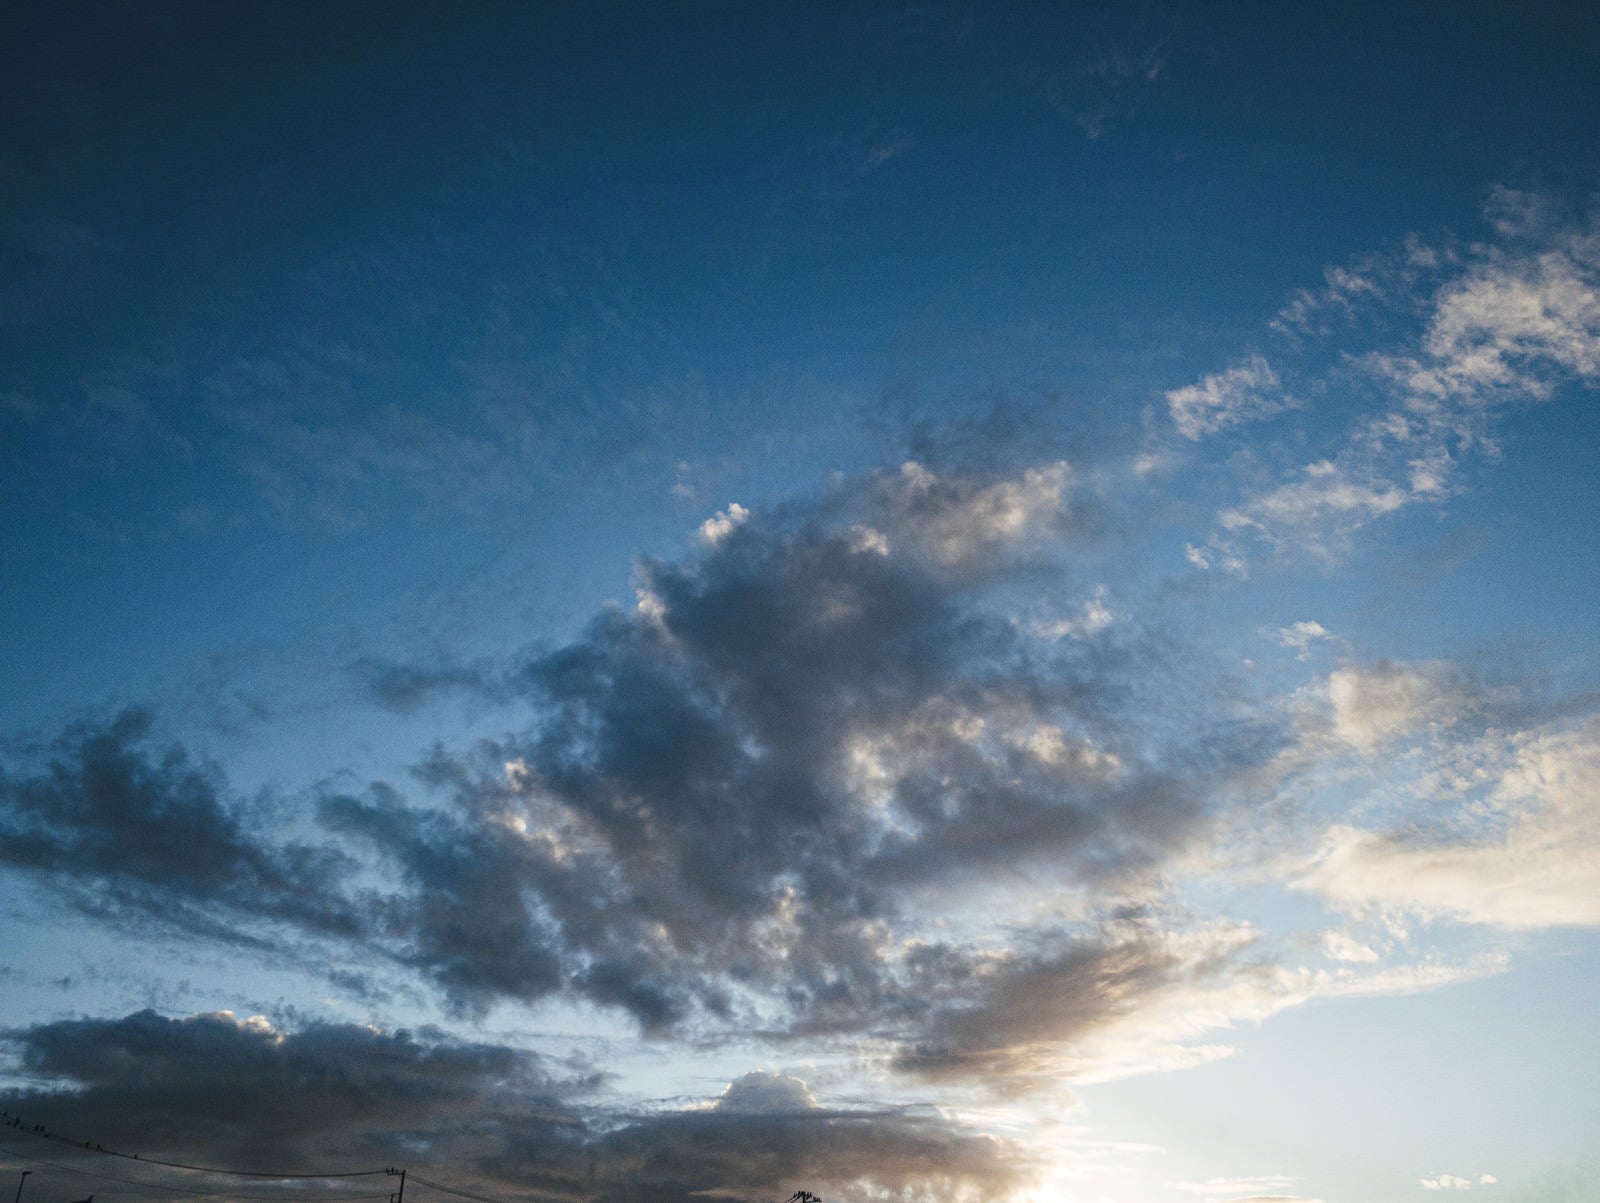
(1150, 463)
(1299, 636)
(764, 1093)
(1092, 617)
(1521, 851)
(683, 482)
(959, 519)
(1446, 1182)
(894, 755)
(1412, 978)
(1505, 326)
(1342, 288)
(650, 606)
(1245, 392)
(1318, 512)
(1516, 214)
(717, 528)
(1376, 703)
(865, 539)
(1255, 1185)
(1340, 946)
(1505, 321)
(1223, 987)
(1052, 748)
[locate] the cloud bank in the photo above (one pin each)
(337, 1098)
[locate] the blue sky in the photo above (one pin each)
(953, 602)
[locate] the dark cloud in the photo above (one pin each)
(1061, 1007)
(404, 687)
(121, 826)
(766, 1137)
(466, 919)
(737, 796)
(742, 786)
(241, 1093)
(253, 1097)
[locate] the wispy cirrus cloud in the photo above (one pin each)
(1299, 637)
(1502, 323)
(1102, 88)
(1261, 1188)
(405, 685)
(1133, 998)
(1255, 1184)
(1468, 800)
(1456, 1182)
(1515, 844)
(1243, 393)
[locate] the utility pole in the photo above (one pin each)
(397, 1196)
(20, 1182)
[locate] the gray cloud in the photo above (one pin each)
(739, 795)
(405, 687)
(121, 826)
(740, 783)
(465, 921)
(749, 1153)
(1127, 998)
(1026, 1008)
(244, 1093)
(252, 1096)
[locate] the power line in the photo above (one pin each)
(450, 1190)
(39, 1131)
(168, 1188)
(15, 1124)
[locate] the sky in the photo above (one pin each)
(624, 603)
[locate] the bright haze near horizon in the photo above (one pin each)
(922, 602)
